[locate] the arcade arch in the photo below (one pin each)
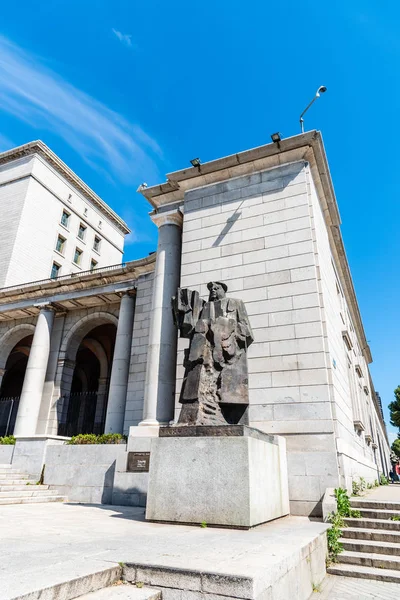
(88, 351)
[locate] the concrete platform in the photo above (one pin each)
(46, 545)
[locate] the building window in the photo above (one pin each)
(78, 256)
(93, 264)
(65, 218)
(100, 224)
(55, 270)
(81, 231)
(60, 245)
(85, 212)
(96, 243)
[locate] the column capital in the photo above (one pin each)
(45, 306)
(173, 217)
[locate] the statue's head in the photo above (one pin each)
(217, 290)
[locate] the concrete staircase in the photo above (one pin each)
(17, 488)
(371, 545)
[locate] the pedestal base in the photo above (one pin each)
(233, 476)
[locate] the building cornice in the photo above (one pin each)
(304, 147)
(39, 148)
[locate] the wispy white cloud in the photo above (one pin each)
(124, 38)
(43, 99)
(5, 143)
(392, 435)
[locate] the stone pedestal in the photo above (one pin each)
(233, 476)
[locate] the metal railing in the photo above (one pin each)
(8, 414)
(62, 278)
(77, 414)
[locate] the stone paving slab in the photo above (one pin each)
(46, 542)
(348, 588)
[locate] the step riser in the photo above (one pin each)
(336, 570)
(370, 549)
(380, 524)
(4, 501)
(371, 536)
(22, 488)
(383, 515)
(18, 476)
(28, 493)
(358, 504)
(369, 561)
(17, 481)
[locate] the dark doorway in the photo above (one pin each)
(11, 385)
(87, 401)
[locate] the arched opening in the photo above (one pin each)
(11, 384)
(86, 382)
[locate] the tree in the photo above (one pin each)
(394, 408)
(396, 447)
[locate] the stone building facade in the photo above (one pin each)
(98, 351)
(52, 223)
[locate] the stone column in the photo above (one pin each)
(159, 394)
(120, 367)
(32, 389)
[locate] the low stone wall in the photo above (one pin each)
(6, 454)
(83, 473)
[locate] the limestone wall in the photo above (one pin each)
(351, 389)
(83, 473)
(256, 234)
(140, 340)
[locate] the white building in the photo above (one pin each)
(265, 222)
(52, 223)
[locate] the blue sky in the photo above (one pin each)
(126, 91)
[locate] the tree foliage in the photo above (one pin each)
(394, 408)
(396, 447)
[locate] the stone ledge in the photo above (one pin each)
(216, 431)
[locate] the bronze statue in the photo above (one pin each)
(215, 385)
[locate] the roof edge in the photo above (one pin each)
(40, 148)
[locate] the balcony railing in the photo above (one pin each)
(63, 278)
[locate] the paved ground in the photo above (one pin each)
(389, 493)
(347, 588)
(44, 544)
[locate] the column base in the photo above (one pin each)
(145, 429)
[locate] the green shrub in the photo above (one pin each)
(92, 438)
(333, 535)
(395, 518)
(343, 504)
(384, 480)
(376, 483)
(8, 440)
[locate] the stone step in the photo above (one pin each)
(376, 535)
(21, 487)
(123, 592)
(6, 472)
(382, 524)
(31, 500)
(29, 491)
(5, 466)
(69, 580)
(371, 547)
(377, 561)
(346, 570)
(373, 513)
(14, 480)
(375, 504)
